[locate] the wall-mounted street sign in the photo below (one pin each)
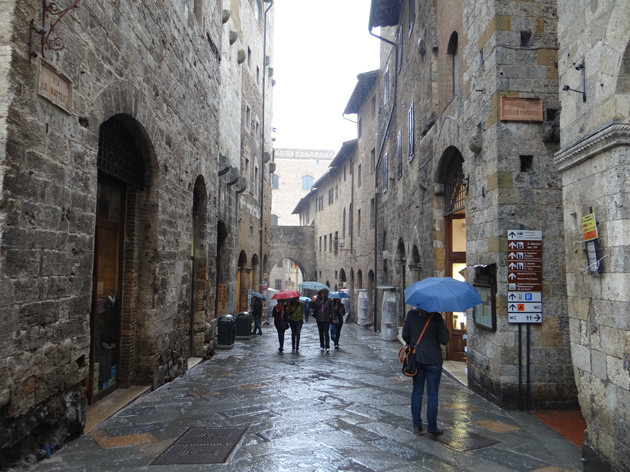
(520, 109)
(589, 227)
(54, 86)
(524, 276)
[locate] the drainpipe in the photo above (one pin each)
(262, 153)
(380, 155)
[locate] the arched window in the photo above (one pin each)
(453, 52)
(274, 220)
(307, 182)
(275, 184)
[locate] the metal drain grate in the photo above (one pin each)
(201, 446)
(462, 440)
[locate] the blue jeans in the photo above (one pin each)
(432, 374)
(296, 328)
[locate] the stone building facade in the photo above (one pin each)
(594, 58)
(296, 172)
(455, 172)
(452, 176)
(249, 27)
(119, 203)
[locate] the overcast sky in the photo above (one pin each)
(320, 47)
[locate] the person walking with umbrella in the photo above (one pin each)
(280, 321)
(257, 309)
(323, 310)
(295, 311)
(429, 363)
(425, 328)
(338, 315)
(337, 321)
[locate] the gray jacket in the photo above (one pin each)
(429, 350)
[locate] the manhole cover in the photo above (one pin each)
(462, 441)
(201, 446)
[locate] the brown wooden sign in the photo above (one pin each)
(521, 109)
(54, 86)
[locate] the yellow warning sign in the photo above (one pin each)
(589, 227)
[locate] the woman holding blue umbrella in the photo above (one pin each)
(431, 296)
(429, 363)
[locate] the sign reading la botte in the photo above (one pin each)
(524, 276)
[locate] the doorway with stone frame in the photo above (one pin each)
(120, 188)
(454, 201)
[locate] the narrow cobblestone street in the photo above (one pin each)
(314, 411)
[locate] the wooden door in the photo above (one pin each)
(455, 264)
(106, 291)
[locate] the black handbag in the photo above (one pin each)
(407, 355)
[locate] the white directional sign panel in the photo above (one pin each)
(525, 317)
(524, 276)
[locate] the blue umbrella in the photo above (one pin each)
(313, 286)
(256, 294)
(305, 299)
(334, 295)
(442, 294)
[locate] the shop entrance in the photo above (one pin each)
(120, 171)
(455, 248)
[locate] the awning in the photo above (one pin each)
(346, 149)
(384, 13)
(365, 83)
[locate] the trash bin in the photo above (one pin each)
(243, 325)
(389, 318)
(226, 328)
(363, 306)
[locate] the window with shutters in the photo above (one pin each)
(385, 172)
(411, 135)
(399, 156)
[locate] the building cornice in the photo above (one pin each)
(612, 134)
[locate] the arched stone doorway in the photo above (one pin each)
(371, 294)
(125, 227)
(221, 263)
(352, 317)
(254, 277)
(401, 279)
(452, 177)
(342, 279)
(244, 274)
(198, 269)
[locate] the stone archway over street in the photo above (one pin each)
(295, 243)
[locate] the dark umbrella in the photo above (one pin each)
(313, 286)
(442, 294)
(256, 294)
(286, 294)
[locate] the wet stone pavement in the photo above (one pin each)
(347, 410)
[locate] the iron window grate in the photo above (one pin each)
(455, 192)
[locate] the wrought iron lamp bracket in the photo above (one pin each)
(51, 8)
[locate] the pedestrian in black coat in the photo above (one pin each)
(429, 363)
(337, 322)
(257, 309)
(323, 310)
(281, 322)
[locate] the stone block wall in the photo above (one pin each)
(505, 48)
(159, 69)
(594, 161)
